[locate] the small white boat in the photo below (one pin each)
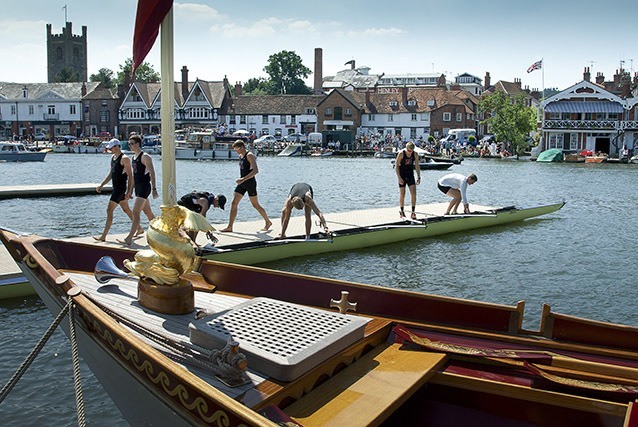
(17, 152)
(321, 153)
(292, 150)
(204, 145)
(633, 159)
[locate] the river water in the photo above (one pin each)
(580, 260)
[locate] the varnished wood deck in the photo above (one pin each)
(50, 190)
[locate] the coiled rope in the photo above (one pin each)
(68, 308)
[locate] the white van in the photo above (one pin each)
(461, 135)
(315, 138)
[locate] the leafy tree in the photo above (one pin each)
(286, 73)
(105, 76)
(509, 118)
(144, 73)
(256, 86)
(66, 75)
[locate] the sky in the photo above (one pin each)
(214, 39)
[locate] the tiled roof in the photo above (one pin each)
(274, 104)
(38, 90)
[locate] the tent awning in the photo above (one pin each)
(584, 107)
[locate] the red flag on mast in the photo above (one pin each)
(150, 14)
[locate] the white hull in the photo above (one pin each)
(292, 150)
(78, 149)
(183, 153)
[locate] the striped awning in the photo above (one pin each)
(584, 107)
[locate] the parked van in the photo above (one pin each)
(459, 135)
(315, 138)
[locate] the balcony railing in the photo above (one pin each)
(629, 125)
(51, 116)
(581, 124)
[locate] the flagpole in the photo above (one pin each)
(542, 103)
(169, 191)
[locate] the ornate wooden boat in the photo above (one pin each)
(400, 358)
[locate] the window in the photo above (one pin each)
(413, 117)
(199, 113)
(573, 141)
(612, 116)
(338, 112)
(425, 117)
(51, 109)
(59, 53)
(413, 133)
(135, 113)
(348, 112)
(371, 117)
(390, 117)
(72, 109)
(393, 103)
(198, 95)
(565, 116)
(104, 116)
(242, 119)
(13, 110)
(459, 117)
(328, 111)
(447, 117)
(104, 104)
(556, 116)
(282, 119)
(310, 111)
(232, 119)
(430, 103)
(264, 119)
(31, 109)
(293, 119)
(411, 102)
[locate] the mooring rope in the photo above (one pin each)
(34, 353)
(77, 380)
(68, 308)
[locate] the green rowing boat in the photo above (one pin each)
(355, 237)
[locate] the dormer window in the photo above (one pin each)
(25, 92)
(430, 103)
(411, 102)
(393, 103)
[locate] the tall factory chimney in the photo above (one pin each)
(318, 71)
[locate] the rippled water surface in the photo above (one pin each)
(580, 260)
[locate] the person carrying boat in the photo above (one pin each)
(246, 184)
(144, 180)
(201, 202)
(300, 197)
(455, 186)
(406, 163)
(122, 175)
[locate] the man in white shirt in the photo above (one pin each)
(455, 185)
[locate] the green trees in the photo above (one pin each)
(105, 76)
(144, 73)
(286, 73)
(509, 119)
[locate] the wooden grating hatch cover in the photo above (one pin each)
(280, 339)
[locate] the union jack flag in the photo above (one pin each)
(535, 66)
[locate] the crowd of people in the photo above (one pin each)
(136, 175)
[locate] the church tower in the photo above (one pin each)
(67, 52)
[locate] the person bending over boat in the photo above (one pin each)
(246, 184)
(201, 202)
(300, 197)
(122, 175)
(455, 186)
(407, 161)
(144, 179)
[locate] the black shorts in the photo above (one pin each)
(408, 180)
(249, 186)
(143, 190)
(443, 188)
(118, 194)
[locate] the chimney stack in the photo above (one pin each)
(587, 75)
(184, 82)
(600, 78)
(318, 89)
(238, 89)
(487, 80)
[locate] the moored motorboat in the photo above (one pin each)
(551, 155)
(294, 149)
(17, 152)
(206, 145)
(266, 346)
